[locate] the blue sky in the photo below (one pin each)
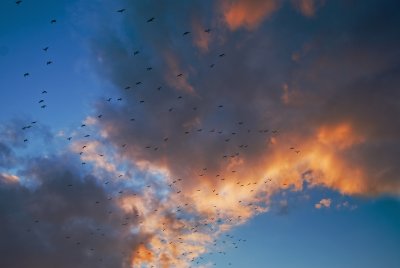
(275, 130)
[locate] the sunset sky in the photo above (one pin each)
(225, 133)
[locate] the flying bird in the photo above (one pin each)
(26, 74)
(136, 52)
(53, 21)
(207, 30)
(121, 10)
(186, 33)
(151, 19)
(45, 49)
(18, 2)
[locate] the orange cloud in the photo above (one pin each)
(9, 178)
(307, 7)
(200, 38)
(174, 69)
(326, 202)
(142, 255)
(247, 13)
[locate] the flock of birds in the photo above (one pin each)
(217, 245)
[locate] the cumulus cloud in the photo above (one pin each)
(248, 119)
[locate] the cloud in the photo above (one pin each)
(228, 138)
(326, 202)
(67, 220)
(307, 7)
(248, 14)
(254, 114)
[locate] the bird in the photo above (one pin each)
(212, 65)
(208, 30)
(18, 2)
(121, 10)
(221, 55)
(136, 52)
(179, 75)
(44, 92)
(25, 140)
(186, 33)
(41, 101)
(49, 62)
(151, 19)
(43, 106)
(149, 68)
(26, 74)
(53, 21)
(45, 49)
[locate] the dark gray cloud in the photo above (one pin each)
(66, 221)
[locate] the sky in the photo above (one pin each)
(225, 133)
